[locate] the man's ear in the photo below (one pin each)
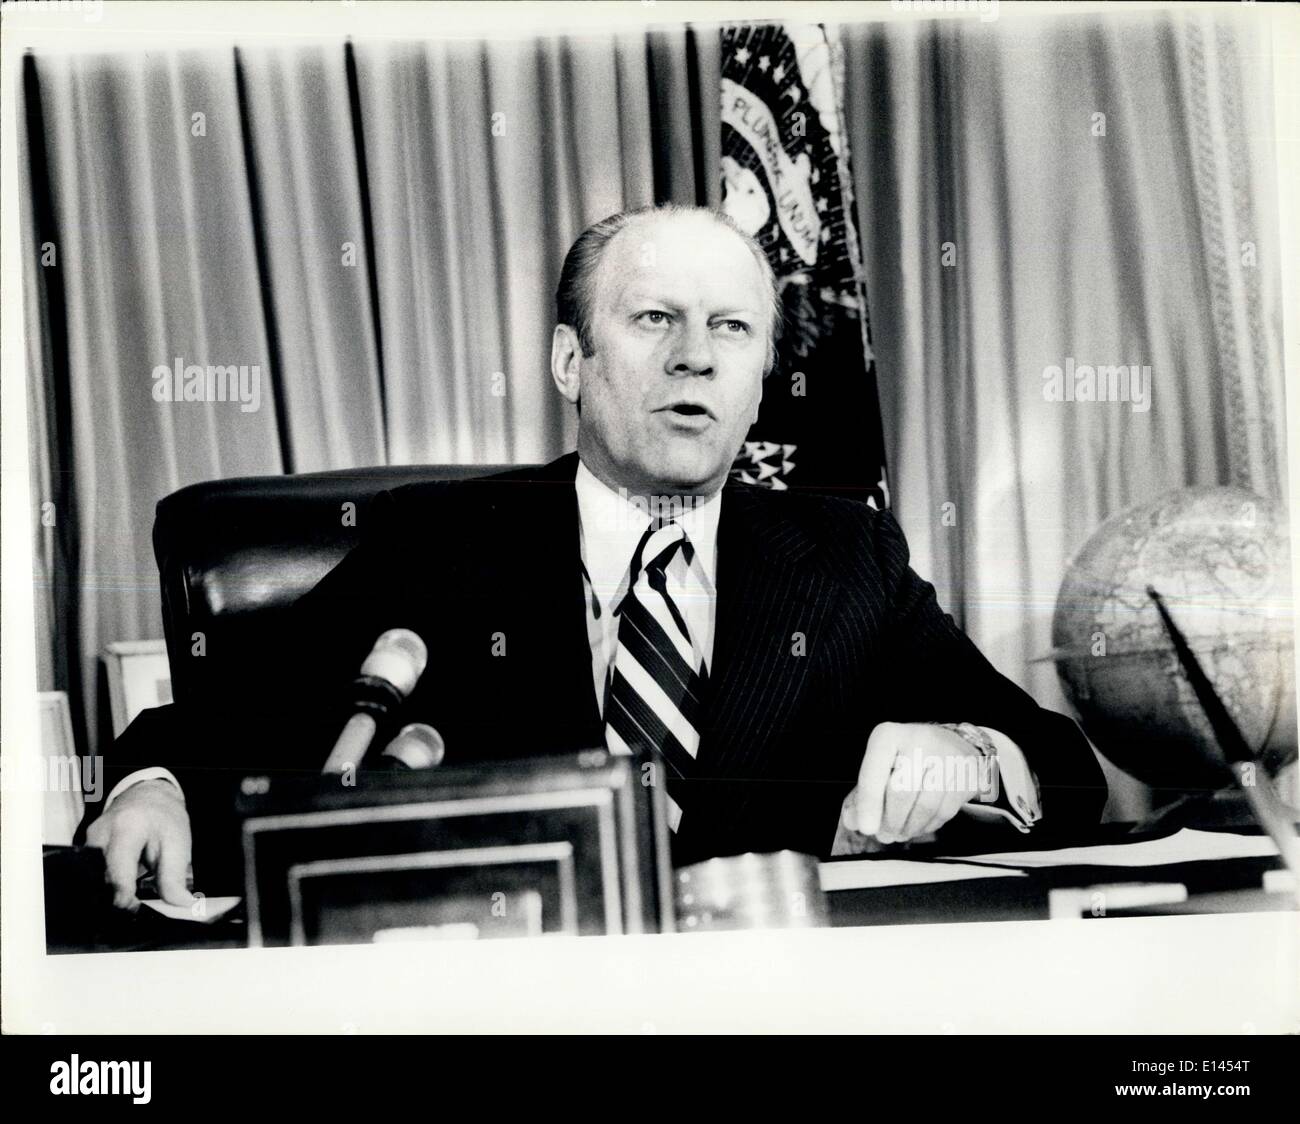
(758, 402)
(566, 362)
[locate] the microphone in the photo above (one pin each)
(417, 746)
(387, 676)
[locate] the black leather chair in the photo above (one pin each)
(234, 555)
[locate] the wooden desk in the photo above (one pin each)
(1221, 886)
(80, 917)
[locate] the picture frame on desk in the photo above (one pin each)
(64, 802)
(570, 844)
(139, 677)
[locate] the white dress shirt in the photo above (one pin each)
(611, 525)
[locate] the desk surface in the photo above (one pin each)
(1219, 886)
(79, 916)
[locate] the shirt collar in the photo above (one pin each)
(612, 526)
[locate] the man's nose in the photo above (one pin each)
(692, 351)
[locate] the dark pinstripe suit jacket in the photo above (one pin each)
(823, 631)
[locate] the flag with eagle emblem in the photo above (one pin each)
(785, 180)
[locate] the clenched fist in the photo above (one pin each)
(145, 829)
(914, 778)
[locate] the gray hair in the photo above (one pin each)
(574, 295)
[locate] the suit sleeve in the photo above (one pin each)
(936, 674)
(283, 718)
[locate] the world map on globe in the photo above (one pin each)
(1221, 559)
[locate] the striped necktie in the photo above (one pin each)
(655, 695)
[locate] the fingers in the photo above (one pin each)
(873, 779)
(938, 804)
(903, 796)
(97, 833)
(923, 813)
(173, 862)
(147, 828)
(948, 807)
(122, 865)
(912, 781)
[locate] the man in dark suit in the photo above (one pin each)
(796, 680)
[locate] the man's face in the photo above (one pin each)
(680, 324)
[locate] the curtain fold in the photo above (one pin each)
(316, 257)
(154, 259)
(485, 162)
(49, 442)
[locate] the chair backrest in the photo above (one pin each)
(234, 555)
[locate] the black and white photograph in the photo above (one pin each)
(519, 485)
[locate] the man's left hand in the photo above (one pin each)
(914, 778)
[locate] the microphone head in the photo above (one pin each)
(399, 657)
(417, 746)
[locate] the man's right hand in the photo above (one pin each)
(146, 828)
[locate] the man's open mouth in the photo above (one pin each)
(689, 410)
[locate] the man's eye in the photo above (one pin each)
(653, 316)
(735, 327)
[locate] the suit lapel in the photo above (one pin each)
(544, 505)
(771, 593)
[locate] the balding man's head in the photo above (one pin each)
(668, 319)
(574, 295)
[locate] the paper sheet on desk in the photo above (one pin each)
(1185, 846)
(213, 909)
(872, 874)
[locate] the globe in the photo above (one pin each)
(1220, 558)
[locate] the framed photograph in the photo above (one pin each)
(61, 778)
(139, 677)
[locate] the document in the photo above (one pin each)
(1185, 846)
(212, 909)
(871, 874)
